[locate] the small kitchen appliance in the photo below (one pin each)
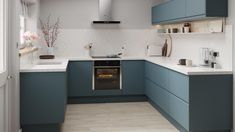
(204, 59)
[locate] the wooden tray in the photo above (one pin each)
(46, 56)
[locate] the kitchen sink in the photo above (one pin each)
(49, 63)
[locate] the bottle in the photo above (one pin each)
(164, 49)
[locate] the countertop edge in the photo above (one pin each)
(151, 60)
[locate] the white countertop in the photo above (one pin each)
(194, 70)
(57, 65)
(162, 61)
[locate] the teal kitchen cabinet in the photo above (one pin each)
(133, 77)
(80, 78)
(195, 7)
(43, 99)
(158, 95)
(171, 10)
(207, 8)
(192, 102)
(211, 102)
(179, 111)
(188, 10)
(157, 74)
(179, 85)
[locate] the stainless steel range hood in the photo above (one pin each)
(105, 13)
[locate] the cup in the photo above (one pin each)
(168, 30)
(186, 29)
(189, 63)
(182, 61)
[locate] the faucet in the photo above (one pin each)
(90, 45)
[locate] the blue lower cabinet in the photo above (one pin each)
(193, 103)
(43, 99)
(157, 74)
(179, 85)
(80, 78)
(133, 77)
(179, 111)
(211, 102)
(157, 95)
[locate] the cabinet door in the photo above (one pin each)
(158, 95)
(179, 110)
(158, 14)
(179, 85)
(80, 79)
(195, 7)
(133, 77)
(157, 74)
(43, 98)
(175, 9)
(171, 10)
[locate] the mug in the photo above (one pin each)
(189, 63)
(182, 62)
(186, 29)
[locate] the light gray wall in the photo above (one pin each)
(79, 14)
(13, 84)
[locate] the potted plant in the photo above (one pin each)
(29, 38)
(50, 33)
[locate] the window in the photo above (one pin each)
(22, 28)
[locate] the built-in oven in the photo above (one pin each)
(107, 75)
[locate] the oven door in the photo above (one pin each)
(107, 78)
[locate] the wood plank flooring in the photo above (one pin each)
(115, 117)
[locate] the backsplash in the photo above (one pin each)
(187, 46)
(71, 43)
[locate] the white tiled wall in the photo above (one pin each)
(72, 42)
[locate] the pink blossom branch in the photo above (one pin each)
(50, 32)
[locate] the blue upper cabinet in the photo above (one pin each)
(195, 7)
(172, 10)
(207, 8)
(187, 10)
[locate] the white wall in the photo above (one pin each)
(79, 14)
(77, 30)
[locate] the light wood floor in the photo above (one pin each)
(115, 117)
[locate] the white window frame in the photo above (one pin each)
(3, 33)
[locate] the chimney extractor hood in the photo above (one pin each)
(105, 13)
